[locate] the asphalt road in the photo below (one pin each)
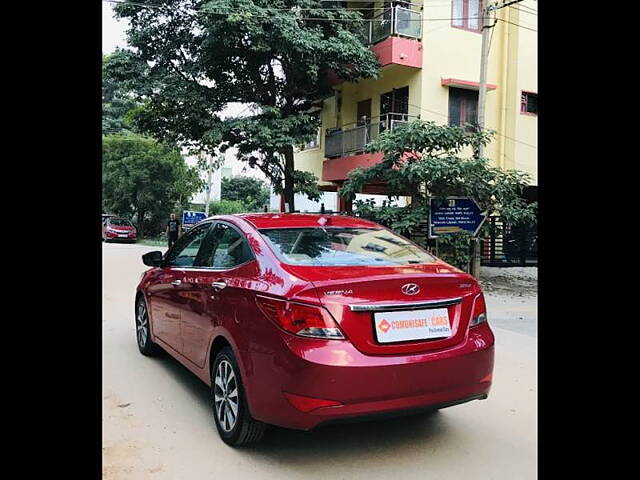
(157, 423)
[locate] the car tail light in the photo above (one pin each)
(479, 314)
(300, 319)
(307, 404)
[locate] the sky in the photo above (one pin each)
(113, 31)
(114, 35)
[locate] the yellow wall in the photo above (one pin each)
(310, 160)
(450, 52)
(393, 76)
(526, 126)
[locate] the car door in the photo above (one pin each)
(170, 291)
(217, 296)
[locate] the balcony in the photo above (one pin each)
(394, 35)
(393, 21)
(352, 138)
(344, 148)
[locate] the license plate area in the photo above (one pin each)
(412, 325)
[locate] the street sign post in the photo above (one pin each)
(454, 214)
(190, 218)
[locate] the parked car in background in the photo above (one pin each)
(119, 229)
(301, 320)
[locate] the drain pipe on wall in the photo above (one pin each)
(503, 82)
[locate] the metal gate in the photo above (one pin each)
(509, 245)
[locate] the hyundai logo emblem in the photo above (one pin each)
(410, 289)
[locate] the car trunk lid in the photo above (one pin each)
(357, 297)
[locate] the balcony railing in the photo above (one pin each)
(392, 21)
(351, 140)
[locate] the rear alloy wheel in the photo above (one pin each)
(235, 424)
(143, 333)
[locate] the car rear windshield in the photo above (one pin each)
(343, 246)
(121, 222)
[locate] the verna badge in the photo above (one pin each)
(410, 289)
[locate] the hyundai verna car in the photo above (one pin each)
(300, 320)
(116, 228)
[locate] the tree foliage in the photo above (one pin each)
(422, 159)
(192, 57)
(253, 193)
(116, 103)
(145, 179)
(226, 207)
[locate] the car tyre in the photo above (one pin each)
(143, 330)
(235, 424)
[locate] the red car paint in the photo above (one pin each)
(300, 382)
(112, 231)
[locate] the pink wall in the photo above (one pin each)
(399, 50)
(336, 169)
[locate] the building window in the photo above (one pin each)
(315, 142)
(463, 107)
(467, 14)
(529, 103)
(394, 108)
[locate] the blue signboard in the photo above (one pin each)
(189, 219)
(454, 214)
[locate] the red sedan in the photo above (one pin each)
(116, 228)
(301, 320)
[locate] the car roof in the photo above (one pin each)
(300, 220)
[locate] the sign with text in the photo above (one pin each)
(454, 214)
(189, 219)
(412, 325)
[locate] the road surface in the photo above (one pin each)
(157, 423)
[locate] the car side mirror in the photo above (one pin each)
(152, 259)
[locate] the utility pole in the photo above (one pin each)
(208, 200)
(484, 60)
(474, 266)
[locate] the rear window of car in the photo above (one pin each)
(343, 246)
(121, 222)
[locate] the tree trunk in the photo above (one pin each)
(345, 203)
(140, 220)
(288, 179)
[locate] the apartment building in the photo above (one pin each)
(430, 58)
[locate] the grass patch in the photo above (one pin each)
(153, 242)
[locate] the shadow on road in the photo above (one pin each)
(350, 442)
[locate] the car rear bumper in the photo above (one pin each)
(366, 385)
(402, 412)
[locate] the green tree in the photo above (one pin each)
(252, 192)
(422, 159)
(116, 103)
(145, 179)
(192, 57)
(226, 207)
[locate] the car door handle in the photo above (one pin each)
(176, 282)
(219, 285)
